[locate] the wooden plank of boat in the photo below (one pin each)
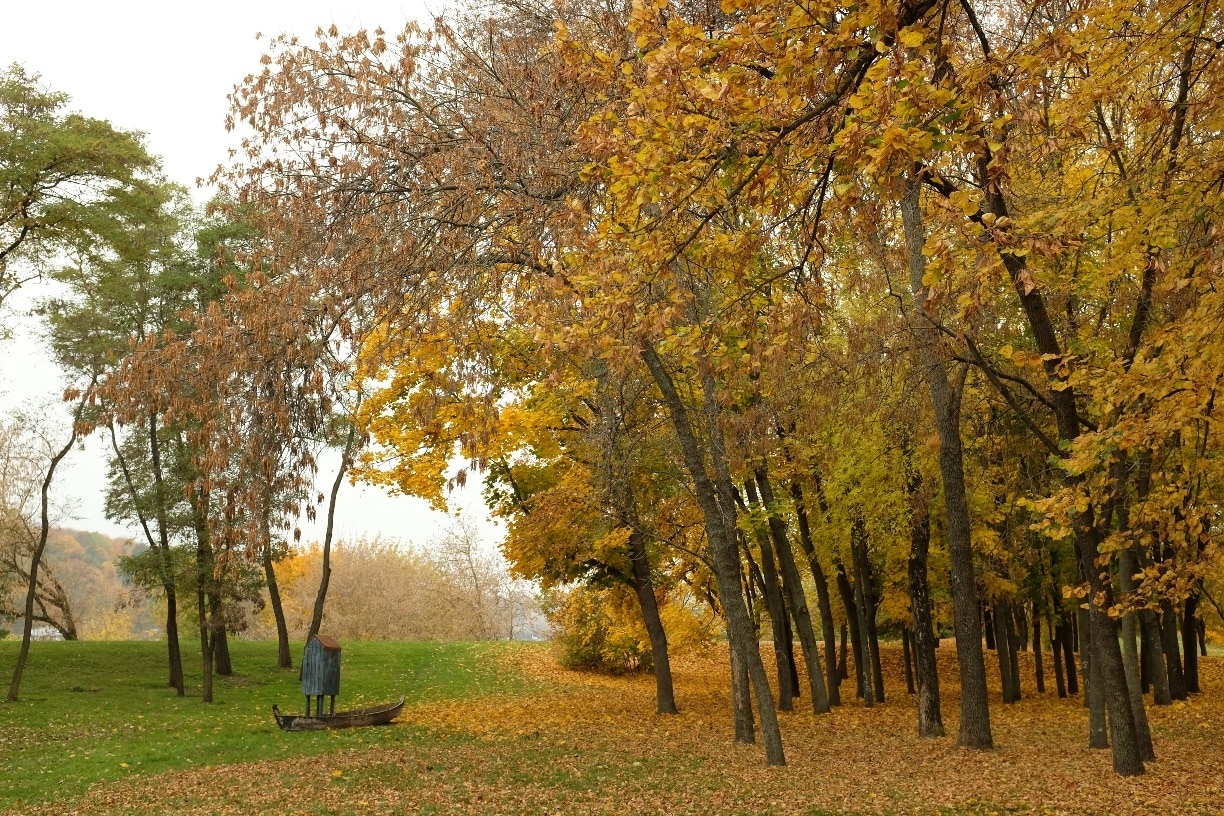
(373, 715)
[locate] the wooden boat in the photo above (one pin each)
(373, 715)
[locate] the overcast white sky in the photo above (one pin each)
(165, 69)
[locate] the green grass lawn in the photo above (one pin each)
(94, 711)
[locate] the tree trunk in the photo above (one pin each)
(988, 625)
(346, 460)
(1130, 654)
(222, 664)
(27, 629)
(1056, 657)
(1014, 646)
(772, 591)
(163, 544)
(1038, 668)
(1172, 656)
(1066, 640)
(843, 655)
(827, 626)
(792, 585)
(1003, 653)
(945, 402)
(858, 541)
(1098, 736)
(926, 671)
(908, 660)
(284, 660)
(721, 540)
(1190, 643)
(846, 590)
(643, 586)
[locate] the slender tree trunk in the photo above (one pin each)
(975, 711)
(27, 628)
(771, 589)
(846, 590)
(346, 461)
(204, 579)
(827, 626)
(843, 655)
(907, 659)
(1066, 641)
(1038, 667)
(1014, 646)
(1003, 653)
(988, 625)
(858, 536)
(284, 660)
(720, 537)
(643, 585)
(792, 585)
(163, 545)
(1057, 659)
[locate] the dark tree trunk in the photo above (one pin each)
(1066, 641)
(1003, 653)
(1057, 658)
(792, 585)
(222, 664)
(945, 402)
(926, 670)
(1022, 627)
(1014, 646)
(1038, 667)
(823, 603)
(1130, 651)
(718, 511)
(643, 586)
(284, 660)
(163, 545)
(1172, 655)
(988, 626)
(1094, 699)
(858, 541)
(1190, 667)
(842, 655)
(772, 591)
(908, 659)
(846, 590)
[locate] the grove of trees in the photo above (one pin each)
(840, 319)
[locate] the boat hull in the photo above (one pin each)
(374, 715)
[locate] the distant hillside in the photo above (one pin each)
(84, 563)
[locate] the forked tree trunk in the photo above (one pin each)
(23, 653)
(721, 539)
(792, 585)
(346, 460)
(827, 626)
(1130, 654)
(858, 536)
(975, 711)
(771, 589)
